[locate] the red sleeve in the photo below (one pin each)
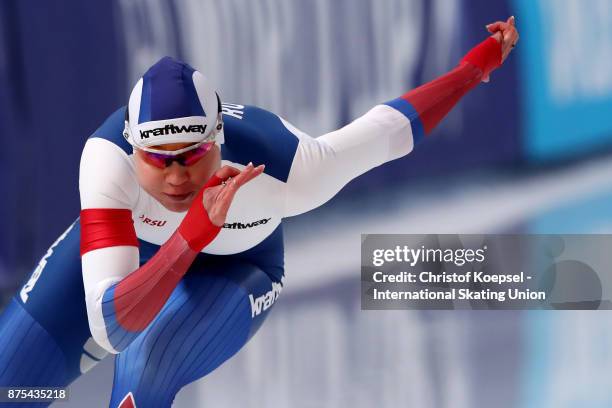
(106, 227)
(433, 100)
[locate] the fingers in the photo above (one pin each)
(247, 174)
(239, 177)
(227, 171)
(224, 194)
(511, 37)
(218, 198)
(510, 33)
(494, 27)
(501, 25)
(505, 33)
(498, 37)
(220, 175)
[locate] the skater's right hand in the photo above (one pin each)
(221, 188)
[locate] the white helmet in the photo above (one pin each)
(173, 103)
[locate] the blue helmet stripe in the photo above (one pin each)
(168, 92)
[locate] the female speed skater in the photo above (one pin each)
(177, 256)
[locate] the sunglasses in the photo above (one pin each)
(188, 158)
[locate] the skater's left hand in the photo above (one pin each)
(506, 34)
